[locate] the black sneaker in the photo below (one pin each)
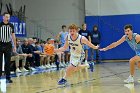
(9, 81)
(91, 66)
(62, 81)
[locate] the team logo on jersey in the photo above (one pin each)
(72, 44)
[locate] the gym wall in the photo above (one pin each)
(45, 17)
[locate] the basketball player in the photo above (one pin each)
(133, 39)
(75, 41)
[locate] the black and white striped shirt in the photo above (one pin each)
(5, 32)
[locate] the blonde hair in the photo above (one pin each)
(73, 26)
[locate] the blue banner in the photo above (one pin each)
(19, 26)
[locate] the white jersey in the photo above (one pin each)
(76, 47)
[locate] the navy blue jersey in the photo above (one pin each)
(95, 37)
(85, 33)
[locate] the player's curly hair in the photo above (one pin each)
(73, 26)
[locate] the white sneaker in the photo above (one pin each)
(18, 70)
(53, 65)
(33, 69)
(47, 66)
(43, 66)
(12, 72)
(61, 65)
(129, 80)
(64, 65)
(130, 86)
(24, 70)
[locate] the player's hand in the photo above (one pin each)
(96, 47)
(56, 50)
(103, 49)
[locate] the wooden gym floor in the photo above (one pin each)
(106, 78)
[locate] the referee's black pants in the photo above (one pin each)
(6, 49)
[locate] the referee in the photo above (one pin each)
(6, 35)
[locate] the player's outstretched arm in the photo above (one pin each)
(85, 41)
(114, 44)
(61, 49)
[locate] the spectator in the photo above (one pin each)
(95, 40)
(40, 48)
(62, 37)
(86, 33)
(17, 56)
(27, 50)
(35, 53)
(22, 56)
(49, 58)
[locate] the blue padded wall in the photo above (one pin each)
(111, 28)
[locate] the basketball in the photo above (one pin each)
(49, 49)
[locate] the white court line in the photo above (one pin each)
(3, 80)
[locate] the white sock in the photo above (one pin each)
(64, 76)
(85, 61)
